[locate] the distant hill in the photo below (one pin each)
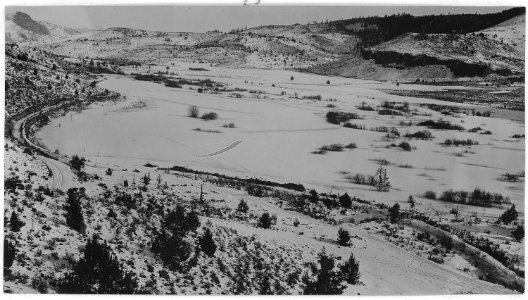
(375, 30)
(21, 27)
(499, 49)
(385, 48)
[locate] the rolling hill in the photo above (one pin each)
(499, 49)
(20, 27)
(397, 47)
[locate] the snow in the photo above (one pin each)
(278, 134)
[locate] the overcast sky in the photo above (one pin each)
(224, 18)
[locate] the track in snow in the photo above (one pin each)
(231, 146)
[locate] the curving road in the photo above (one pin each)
(62, 176)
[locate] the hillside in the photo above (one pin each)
(498, 49)
(20, 27)
(281, 47)
(382, 48)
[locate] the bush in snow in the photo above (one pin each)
(210, 116)
(194, 111)
(77, 163)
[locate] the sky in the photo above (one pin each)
(224, 18)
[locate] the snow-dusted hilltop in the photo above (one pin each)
(497, 49)
(392, 47)
(21, 27)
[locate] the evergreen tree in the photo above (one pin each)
(381, 180)
(350, 270)
(328, 281)
(74, 216)
(179, 222)
(9, 256)
(509, 215)
(264, 221)
(394, 213)
(345, 201)
(242, 207)
(518, 233)
(192, 222)
(207, 243)
(314, 197)
(170, 243)
(146, 179)
(15, 222)
(343, 237)
(172, 248)
(98, 272)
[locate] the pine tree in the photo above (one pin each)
(146, 179)
(264, 221)
(328, 281)
(343, 237)
(169, 243)
(15, 222)
(74, 216)
(394, 213)
(242, 207)
(173, 249)
(314, 197)
(98, 272)
(509, 215)
(207, 243)
(382, 181)
(345, 201)
(518, 233)
(350, 270)
(9, 255)
(192, 222)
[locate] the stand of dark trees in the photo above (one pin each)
(459, 68)
(374, 30)
(291, 186)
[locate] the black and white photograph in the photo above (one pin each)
(257, 149)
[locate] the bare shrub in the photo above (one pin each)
(194, 111)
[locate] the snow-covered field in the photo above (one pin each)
(275, 135)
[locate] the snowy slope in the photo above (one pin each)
(499, 47)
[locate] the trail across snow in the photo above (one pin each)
(231, 146)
